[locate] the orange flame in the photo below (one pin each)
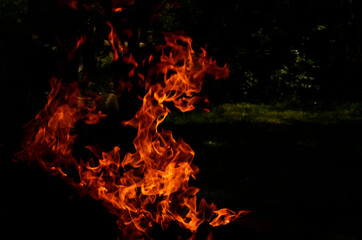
(151, 185)
(119, 9)
(114, 40)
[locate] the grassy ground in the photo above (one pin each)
(272, 114)
(295, 168)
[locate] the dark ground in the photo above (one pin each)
(302, 181)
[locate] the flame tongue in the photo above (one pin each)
(50, 137)
(150, 185)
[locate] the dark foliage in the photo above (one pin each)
(279, 50)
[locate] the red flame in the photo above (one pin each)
(79, 42)
(150, 185)
(69, 3)
(131, 60)
(114, 40)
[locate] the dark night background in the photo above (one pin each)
(283, 138)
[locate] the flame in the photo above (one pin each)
(150, 185)
(114, 40)
(69, 3)
(131, 60)
(166, 164)
(50, 139)
(81, 41)
(119, 9)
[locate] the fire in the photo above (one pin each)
(69, 3)
(114, 40)
(79, 42)
(150, 185)
(119, 9)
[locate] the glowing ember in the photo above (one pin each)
(150, 185)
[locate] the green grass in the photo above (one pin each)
(272, 114)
